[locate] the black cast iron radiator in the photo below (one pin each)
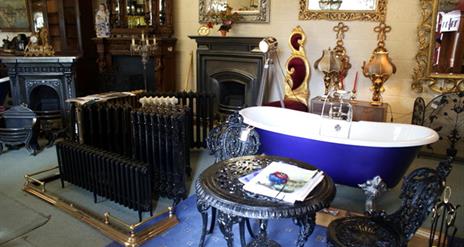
(160, 138)
(200, 103)
(108, 127)
(107, 174)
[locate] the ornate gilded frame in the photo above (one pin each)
(440, 83)
(301, 93)
(336, 15)
(247, 17)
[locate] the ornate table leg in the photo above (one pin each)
(226, 221)
(306, 224)
(203, 207)
(261, 240)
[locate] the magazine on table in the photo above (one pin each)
(282, 181)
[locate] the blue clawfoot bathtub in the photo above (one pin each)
(350, 152)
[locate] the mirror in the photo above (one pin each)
(38, 8)
(440, 58)
(343, 10)
(250, 10)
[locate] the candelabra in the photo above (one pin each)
(145, 49)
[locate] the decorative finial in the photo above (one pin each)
(382, 29)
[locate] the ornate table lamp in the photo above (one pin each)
(380, 67)
(145, 49)
(329, 64)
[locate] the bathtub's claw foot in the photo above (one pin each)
(373, 189)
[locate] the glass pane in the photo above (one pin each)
(137, 11)
(162, 9)
(38, 18)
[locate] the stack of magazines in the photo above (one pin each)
(283, 182)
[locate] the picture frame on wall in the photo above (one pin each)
(14, 16)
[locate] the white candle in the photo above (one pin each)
(133, 40)
(154, 39)
(148, 42)
(143, 36)
(453, 53)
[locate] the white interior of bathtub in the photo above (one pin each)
(312, 126)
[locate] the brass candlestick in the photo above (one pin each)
(145, 49)
(380, 67)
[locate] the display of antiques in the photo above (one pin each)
(68, 22)
(145, 49)
(444, 214)
(439, 60)
(140, 152)
(297, 74)
(17, 44)
(420, 192)
(256, 11)
(268, 46)
(18, 126)
(102, 22)
(38, 45)
(379, 67)
(225, 17)
(444, 114)
(329, 64)
(218, 187)
(362, 10)
(127, 21)
(335, 63)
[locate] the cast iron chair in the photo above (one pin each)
(297, 74)
(421, 190)
(231, 139)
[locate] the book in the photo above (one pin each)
(283, 181)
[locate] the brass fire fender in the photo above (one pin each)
(109, 225)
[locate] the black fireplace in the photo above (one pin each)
(42, 83)
(231, 68)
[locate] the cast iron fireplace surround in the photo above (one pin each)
(231, 68)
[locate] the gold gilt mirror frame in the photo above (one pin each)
(423, 74)
(377, 14)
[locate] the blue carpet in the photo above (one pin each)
(188, 231)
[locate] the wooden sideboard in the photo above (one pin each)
(362, 110)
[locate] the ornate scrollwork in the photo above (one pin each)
(377, 15)
(442, 114)
(420, 192)
(421, 76)
(232, 139)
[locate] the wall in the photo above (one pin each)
(403, 16)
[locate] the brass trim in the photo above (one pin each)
(337, 15)
(439, 83)
(111, 226)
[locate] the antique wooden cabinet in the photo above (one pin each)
(70, 28)
(129, 19)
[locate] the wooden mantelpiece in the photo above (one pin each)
(164, 68)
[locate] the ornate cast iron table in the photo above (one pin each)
(218, 188)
